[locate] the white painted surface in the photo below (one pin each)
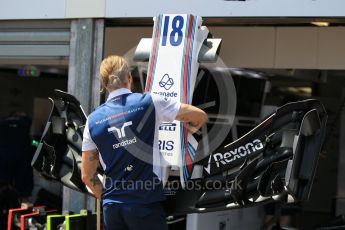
(33, 9)
(43, 9)
(85, 8)
(220, 8)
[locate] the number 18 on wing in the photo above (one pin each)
(172, 70)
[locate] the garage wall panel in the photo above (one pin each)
(297, 48)
(257, 47)
(120, 40)
(331, 48)
(246, 46)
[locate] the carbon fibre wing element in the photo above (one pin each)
(276, 160)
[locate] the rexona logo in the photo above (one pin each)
(167, 127)
(120, 132)
(238, 153)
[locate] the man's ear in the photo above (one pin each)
(130, 81)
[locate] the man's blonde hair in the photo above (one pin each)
(114, 72)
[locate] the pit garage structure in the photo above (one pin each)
(257, 34)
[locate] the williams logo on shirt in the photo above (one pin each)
(120, 133)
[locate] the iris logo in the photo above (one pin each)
(120, 132)
(164, 145)
(166, 82)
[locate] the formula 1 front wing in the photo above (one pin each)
(276, 160)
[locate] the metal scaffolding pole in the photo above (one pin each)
(86, 53)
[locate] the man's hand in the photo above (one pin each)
(192, 115)
(89, 175)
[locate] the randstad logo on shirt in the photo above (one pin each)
(120, 133)
(125, 143)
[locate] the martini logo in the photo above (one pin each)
(167, 127)
(166, 82)
(238, 153)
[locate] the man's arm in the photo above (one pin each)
(89, 165)
(168, 110)
(192, 115)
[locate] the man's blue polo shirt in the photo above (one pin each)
(124, 130)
